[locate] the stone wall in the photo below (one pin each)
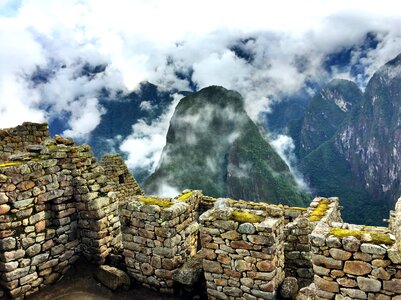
(243, 252)
(119, 177)
(13, 140)
(57, 204)
(297, 251)
(353, 261)
(53, 207)
(159, 234)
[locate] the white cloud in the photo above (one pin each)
(284, 146)
(144, 146)
(85, 117)
(136, 38)
(152, 40)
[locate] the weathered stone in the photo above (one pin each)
(226, 225)
(347, 282)
(394, 255)
(12, 255)
(217, 294)
(241, 245)
(357, 267)
(231, 235)
(263, 295)
(340, 254)
(321, 270)
(37, 217)
(328, 286)
(17, 273)
(232, 291)
(318, 239)
(33, 250)
(289, 288)
(242, 265)
(191, 272)
(7, 243)
(212, 266)
(166, 252)
(351, 243)
(112, 277)
(4, 208)
(381, 273)
(369, 284)
(393, 285)
(327, 262)
(260, 239)
(10, 266)
(333, 242)
(381, 263)
(246, 228)
(28, 278)
(265, 266)
(40, 258)
(353, 293)
(372, 249)
(362, 256)
(224, 259)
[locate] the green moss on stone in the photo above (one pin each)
(246, 217)
(377, 237)
(155, 201)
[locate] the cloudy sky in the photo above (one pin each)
(284, 44)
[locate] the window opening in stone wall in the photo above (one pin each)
(121, 178)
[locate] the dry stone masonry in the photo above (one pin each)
(14, 140)
(119, 177)
(57, 203)
(159, 234)
(243, 252)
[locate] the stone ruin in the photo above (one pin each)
(57, 203)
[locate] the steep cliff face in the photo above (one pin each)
(360, 162)
(214, 146)
(326, 112)
(371, 141)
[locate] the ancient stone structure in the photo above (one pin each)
(243, 252)
(119, 177)
(159, 235)
(14, 140)
(58, 204)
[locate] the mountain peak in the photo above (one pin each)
(213, 145)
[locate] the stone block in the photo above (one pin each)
(112, 277)
(357, 267)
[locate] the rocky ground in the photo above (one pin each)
(80, 283)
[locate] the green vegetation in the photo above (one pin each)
(246, 217)
(376, 237)
(324, 117)
(331, 174)
(212, 145)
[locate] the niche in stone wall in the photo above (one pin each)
(121, 179)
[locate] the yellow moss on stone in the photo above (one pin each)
(377, 237)
(10, 164)
(320, 211)
(295, 208)
(246, 217)
(155, 201)
(185, 196)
